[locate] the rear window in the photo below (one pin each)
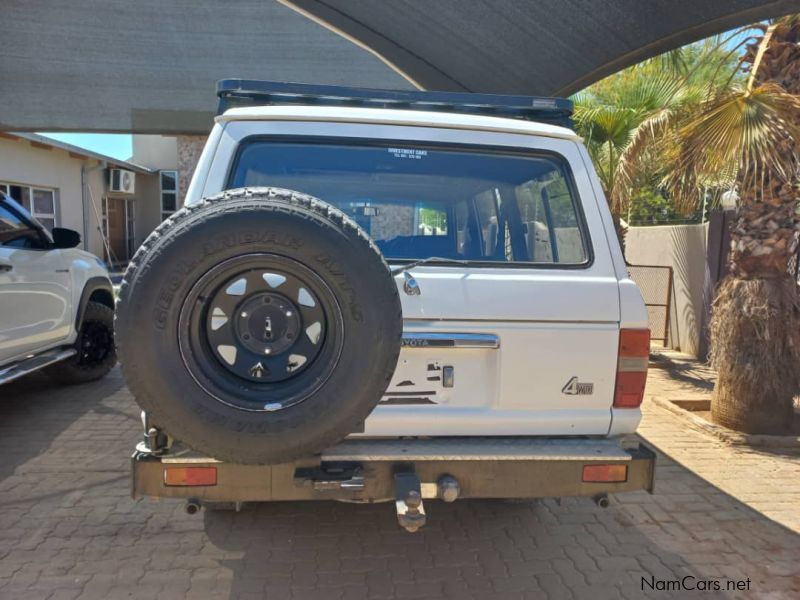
(421, 202)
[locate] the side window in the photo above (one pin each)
(41, 203)
(15, 232)
(169, 193)
(476, 222)
(463, 235)
(486, 213)
(431, 220)
(550, 220)
(44, 207)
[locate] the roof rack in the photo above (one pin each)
(248, 92)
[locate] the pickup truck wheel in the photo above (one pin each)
(96, 354)
(259, 326)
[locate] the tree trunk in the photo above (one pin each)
(755, 325)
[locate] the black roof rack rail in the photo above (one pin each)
(249, 92)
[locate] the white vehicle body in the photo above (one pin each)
(43, 290)
(516, 336)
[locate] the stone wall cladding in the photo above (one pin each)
(189, 149)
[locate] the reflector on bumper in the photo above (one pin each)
(605, 473)
(183, 476)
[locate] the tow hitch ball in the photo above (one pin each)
(408, 501)
(409, 492)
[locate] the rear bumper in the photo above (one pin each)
(366, 470)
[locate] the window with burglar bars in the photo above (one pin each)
(169, 193)
(39, 201)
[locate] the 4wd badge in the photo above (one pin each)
(576, 388)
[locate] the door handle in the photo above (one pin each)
(5, 267)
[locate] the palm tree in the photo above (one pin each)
(619, 116)
(748, 137)
(755, 328)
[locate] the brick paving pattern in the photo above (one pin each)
(68, 528)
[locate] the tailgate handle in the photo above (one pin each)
(425, 339)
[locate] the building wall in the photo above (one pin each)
(27, 164)
(682, 247)
(189, 148)
(96, 176)
(167, 153)
(22, 163)
(148, 206)
(158, 152)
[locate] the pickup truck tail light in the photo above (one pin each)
(634, 352)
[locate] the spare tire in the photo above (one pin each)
(258, 326)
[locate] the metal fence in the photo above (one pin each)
(655, 283)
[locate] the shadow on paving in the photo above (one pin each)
(693, 373)
(35, 411)
(67, 524)
(496, 549)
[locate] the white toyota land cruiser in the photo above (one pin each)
(377, 295)
(56, 302)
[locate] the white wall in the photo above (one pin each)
(155, 152)
(22, 163)
(682, 247)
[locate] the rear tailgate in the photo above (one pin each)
(509, 352)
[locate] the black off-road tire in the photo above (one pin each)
(95, 345)
(197, 401)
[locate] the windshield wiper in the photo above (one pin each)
(427, 261)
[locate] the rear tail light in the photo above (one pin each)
(605, 473)
(185, 476)
(634, 352)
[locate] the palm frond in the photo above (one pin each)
(643, 141)
(739, 132)
(651, 137)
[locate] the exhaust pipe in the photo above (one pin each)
(192, 506)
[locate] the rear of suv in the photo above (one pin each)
(434, 277)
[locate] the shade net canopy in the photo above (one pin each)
(150, 66)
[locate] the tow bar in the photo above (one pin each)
(408, 501)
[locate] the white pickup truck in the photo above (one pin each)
(56, 302)
(377, 295)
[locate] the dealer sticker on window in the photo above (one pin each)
(407, 153)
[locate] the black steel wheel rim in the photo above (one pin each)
(95, 343)
(260, 332)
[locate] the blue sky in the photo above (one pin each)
(114, 145)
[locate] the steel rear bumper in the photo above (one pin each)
(368, 470)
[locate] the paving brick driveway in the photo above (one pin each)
(68, 527)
